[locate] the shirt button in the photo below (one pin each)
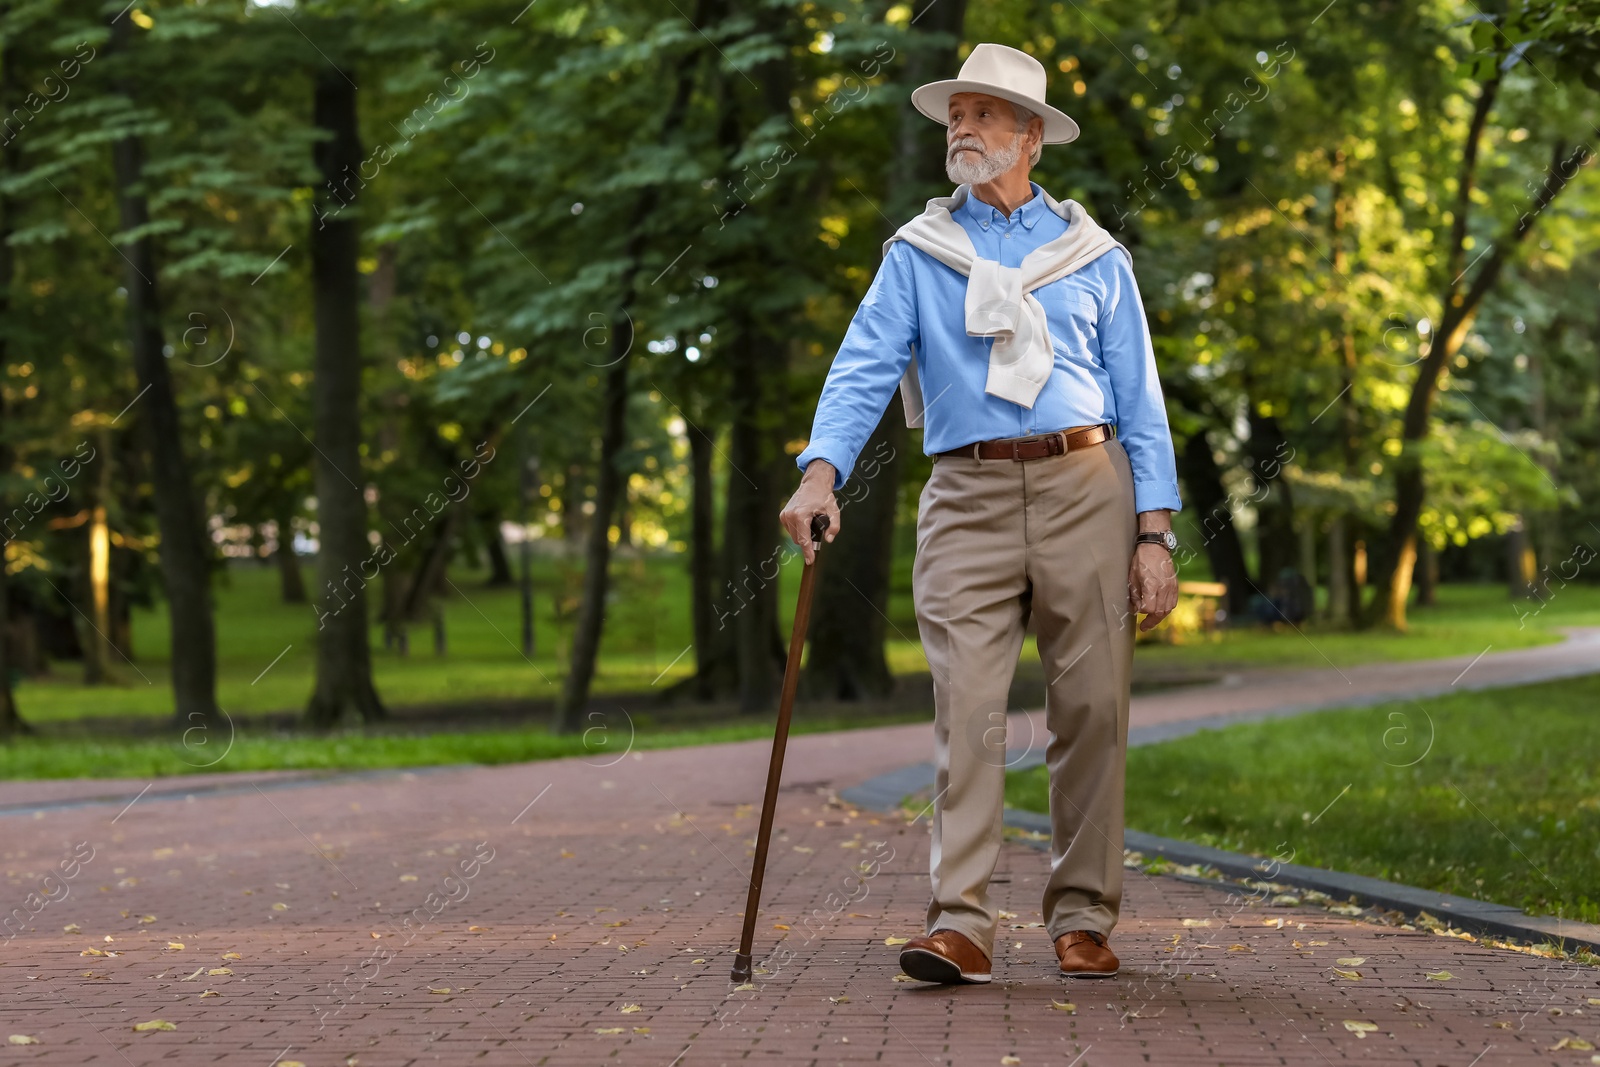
(1008, 237)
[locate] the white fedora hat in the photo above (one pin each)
(999, 71)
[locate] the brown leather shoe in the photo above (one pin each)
(944, 956)
(1085, 954)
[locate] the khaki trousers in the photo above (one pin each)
(998, 540)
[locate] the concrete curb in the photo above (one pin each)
(885, 792)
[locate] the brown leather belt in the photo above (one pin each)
(1036, 447)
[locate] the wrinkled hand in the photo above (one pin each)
(1152, 584)
(813, 497)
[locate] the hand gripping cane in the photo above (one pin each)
(780, 739)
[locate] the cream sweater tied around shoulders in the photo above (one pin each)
(1000, 301)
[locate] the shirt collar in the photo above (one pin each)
(1028, 214)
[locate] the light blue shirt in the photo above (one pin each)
(1105, 368)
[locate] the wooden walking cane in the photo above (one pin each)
(780, 740)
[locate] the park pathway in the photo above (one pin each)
(584, 911)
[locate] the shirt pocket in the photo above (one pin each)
(1074, 318)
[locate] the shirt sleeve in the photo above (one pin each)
(865, 373)
(1130, 361)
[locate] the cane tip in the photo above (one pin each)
(741, 968)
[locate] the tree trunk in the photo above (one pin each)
(291, 583)
(11, 722)
(597, 547)
(344, 660)
(1521, 567)
(1307, 527)
(500, 576)
(849, 613)
(1275, 534)
(97, 642)
(1203, 480)
(1341, 580)
(1427, 576)
(752, 545)
(526, 480)
(702, 557)
(185, 550)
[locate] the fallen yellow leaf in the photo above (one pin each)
(210, 993)
(1240, 948)
(1439, 976)
(1577, 1044)
(1360, 1029)
(91, 952)
(232, 956)
(442, 990)
(1197, 922)
(780, 926)
(220, 970)
(839, 1000)
(72, 928)
(408, 878)
(641, 1029)
(1064, 1005)
(629, 1009)
(1353, 976)
(1316, 944)
(175, 946)
(146, 920)
(891, 941)
(903, 977)
(22, 1039)
(1351, 961)
(280, 907)
(736, 989)
(609, 1029)
(1010, 1061)
(197, 973)
(290, 1063)
(476, 929)
(154, 1024)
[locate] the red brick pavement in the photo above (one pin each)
(534, 931)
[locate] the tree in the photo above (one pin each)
(185, 550)
(344, 657)
(1505, 41)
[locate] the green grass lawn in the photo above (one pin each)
(266, 649)
(1504, 805)
(261, 749)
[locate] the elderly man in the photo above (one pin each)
(1013, 325)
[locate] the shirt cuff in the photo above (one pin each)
(1152, 496)
(835, 453)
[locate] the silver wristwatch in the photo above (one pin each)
(1165, 538)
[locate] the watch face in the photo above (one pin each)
(1170, 539)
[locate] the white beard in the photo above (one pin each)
(987, 167)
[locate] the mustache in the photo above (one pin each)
(969, 142)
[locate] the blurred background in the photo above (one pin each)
(413, 382)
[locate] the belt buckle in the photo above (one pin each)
(1014, 443)
(1060, 440)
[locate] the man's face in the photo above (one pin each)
(982, 142)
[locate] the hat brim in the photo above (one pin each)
(933, 100)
